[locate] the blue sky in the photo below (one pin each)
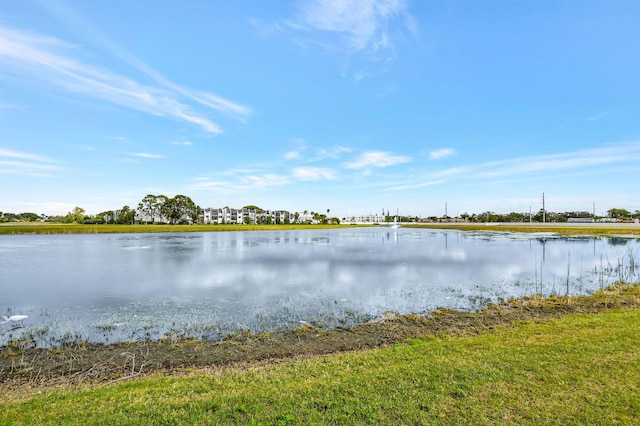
(353, 106)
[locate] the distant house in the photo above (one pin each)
(228, 215)
(147, 218)
(370, 219)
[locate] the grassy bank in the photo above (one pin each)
(581, 369)
(596, 229)
(557, 360)
(59, 228)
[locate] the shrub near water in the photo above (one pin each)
(580, 369)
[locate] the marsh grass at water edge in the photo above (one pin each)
(579, 369)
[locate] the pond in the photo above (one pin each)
(124, 287)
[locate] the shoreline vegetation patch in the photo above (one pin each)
(595, 229)
(559, 360)
(22, 365)
(59, 228)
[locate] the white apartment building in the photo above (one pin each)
(228, 215)
(364, 219)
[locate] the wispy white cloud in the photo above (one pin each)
(297, 152)
(91, 33)
(88, 148)
(217, 103)
(146, 155)
(57, 66)
(292, 155)
(308, 154)
(181, 143)
(265, 180)
(600, 116)
(363, 24)
(379, 159)
(24, 156)
(583, 162)
(206, 184)
(265, 30)
(333, 153)
(26, 168)
(413, 185)
(441, 153)
(239, 181)
(18, 162)
(588, 158)
(314, 173)
(353, 26)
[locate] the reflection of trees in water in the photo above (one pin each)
(618, 241)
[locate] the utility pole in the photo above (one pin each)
(544, 212)
(446, 216)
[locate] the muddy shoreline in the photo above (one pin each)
(24, 367)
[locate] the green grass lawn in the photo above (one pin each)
(60, 228)
(597, 229)
(580, 369)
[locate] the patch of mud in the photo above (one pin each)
(23, 367)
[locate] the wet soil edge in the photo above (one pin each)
(25, 367)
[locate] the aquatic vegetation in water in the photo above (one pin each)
(268, 288)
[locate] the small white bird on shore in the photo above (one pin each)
(15, 318)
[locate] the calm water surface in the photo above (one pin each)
(108, 288)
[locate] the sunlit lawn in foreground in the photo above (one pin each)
(580, 369)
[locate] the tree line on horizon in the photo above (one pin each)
(182, 209)
(176, 210)
(548, 216)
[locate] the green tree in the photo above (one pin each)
(151, 205)
(256, 208)
(101, 216)
(179, 208)
(539, 216)
(126, 216)
(514, 217)
(619, 213)
(10, 217)
(489, 216)
(29, 217)
(75, 216)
